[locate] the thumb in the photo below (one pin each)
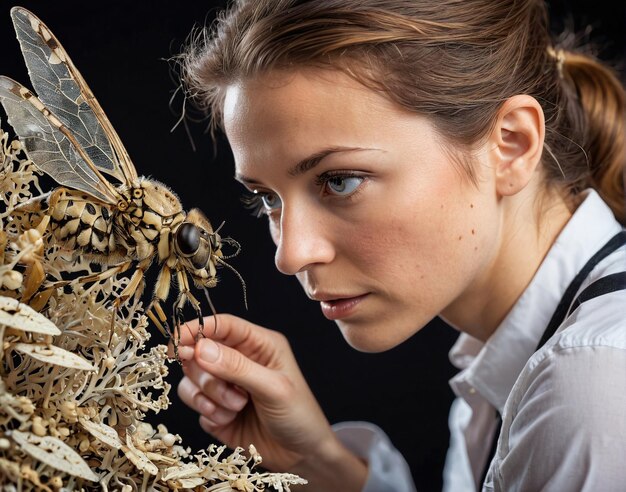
(232, 366)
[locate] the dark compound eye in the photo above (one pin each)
(188, 238)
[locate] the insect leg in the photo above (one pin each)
(184, 295)
(221, 261)
(213, 311)
(135, 282)
(34, 295)
(161, 291)
(105, 274)
(37, 293)
(158, 317)
(53, 201)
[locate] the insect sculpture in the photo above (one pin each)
(134, 221)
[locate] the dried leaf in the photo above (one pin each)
(55, 453)
(19, 316)
(139, 458)
(105, 433)
(190, 483)
(186, 470)
(54, 355)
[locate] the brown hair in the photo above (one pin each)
(455, 61)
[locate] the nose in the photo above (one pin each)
(303, 240)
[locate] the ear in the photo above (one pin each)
(517, 143)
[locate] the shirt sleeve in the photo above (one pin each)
(387, 468)
(569, 429)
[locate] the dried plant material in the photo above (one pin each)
(14, 314)
(55, 453)
(52, 355)
(76, 377)
(65, 386)
(19, 408)
(9, 469)
(106, 434)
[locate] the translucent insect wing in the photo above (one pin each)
(54, 80)
(48, 147)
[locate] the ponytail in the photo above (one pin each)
(595, 102)
(456, 62)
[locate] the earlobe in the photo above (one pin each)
(518, 143)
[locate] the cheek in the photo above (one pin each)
(274, 227)
(421, 239)
(379, 246)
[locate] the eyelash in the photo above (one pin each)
(254, 203)
(254, 200)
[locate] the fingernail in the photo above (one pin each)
(209, 351)
(185, 352)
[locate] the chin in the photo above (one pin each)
(377, 337)
(367, 340)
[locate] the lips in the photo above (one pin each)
(340, 308)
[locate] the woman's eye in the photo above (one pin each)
(343, 185)
(261, 202)
(270, 201)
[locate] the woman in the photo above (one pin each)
(416, 159)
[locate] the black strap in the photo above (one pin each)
(604, 285)
(563, 308)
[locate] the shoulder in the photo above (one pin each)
(582, 368)
(583, 382)
(565, 422)
(565, 417)
(598, 322)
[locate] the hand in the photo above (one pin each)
(246, 385)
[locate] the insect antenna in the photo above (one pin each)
(230, 241)
(183, 116)
(243, 282)
(208, 298)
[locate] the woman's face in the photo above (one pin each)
(370, 212)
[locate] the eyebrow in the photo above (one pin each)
(310, 162)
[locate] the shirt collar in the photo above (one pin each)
(490, 369)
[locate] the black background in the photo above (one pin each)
(120, 47)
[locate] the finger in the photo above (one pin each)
(217, 390)
(192, 396)
(208, 425)
(188, 331)
(185, 352)
(232, 331)
(234, 367)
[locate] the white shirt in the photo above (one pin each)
(563, 408)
